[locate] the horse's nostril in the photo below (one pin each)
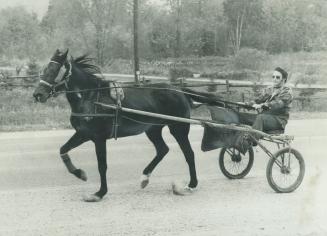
(37, 97)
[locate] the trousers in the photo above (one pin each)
(263, 122)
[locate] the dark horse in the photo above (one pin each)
(83, 88)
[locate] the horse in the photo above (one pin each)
(84, 88)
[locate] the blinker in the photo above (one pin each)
(60, 75)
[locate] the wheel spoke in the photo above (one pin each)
(286, 175)
(234, 164)
(235, 167)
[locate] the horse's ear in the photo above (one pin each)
(57, 52)
(65, 53)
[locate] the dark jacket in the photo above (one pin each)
(279, 102)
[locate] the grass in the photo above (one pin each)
(18, 111)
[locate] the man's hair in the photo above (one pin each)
(283, 72)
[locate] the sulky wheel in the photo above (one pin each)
(234, 164)
(285, 170)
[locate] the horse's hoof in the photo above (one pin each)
(81, 174)
(182, 191)
(92, 198)
(144, 181)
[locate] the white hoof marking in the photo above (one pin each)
(182, 191)
(92, 198)
(144, 180)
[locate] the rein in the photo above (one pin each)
(65, 80)
(217, 102)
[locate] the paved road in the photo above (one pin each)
(39, 197)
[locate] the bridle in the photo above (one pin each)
(63, 81)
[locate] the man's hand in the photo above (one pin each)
(265, 106)
(257, 107)
(260, 107)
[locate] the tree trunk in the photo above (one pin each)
(236, 33)
(177, 50)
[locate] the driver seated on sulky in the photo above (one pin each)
(273, 105)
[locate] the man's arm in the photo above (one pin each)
(282, 100)
(261, 98)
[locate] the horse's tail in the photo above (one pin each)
(203, 97)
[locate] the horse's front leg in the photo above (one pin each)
(101, 152)
(76, 140)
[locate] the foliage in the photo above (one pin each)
(241, 15)
(248, 58)
(175, 28)
(33, 67)
(20, 34)
(175, 73)
(310, 76)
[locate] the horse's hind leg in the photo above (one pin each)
(180, 133)
(155, 136)
(76, 140)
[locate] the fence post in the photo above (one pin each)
(227, 88)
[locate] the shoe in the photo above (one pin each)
(251, 139)
(242, 143)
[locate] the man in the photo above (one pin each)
(273, 105)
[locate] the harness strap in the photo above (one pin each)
(118, 112)
(91, 114)
(46, 83)
(64, 80)
(55, 62)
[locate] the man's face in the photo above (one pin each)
(277, 79)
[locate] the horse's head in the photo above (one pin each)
(53, 74)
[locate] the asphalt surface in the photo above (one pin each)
(39, 197)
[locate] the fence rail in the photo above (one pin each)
(192, 82)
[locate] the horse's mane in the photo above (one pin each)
(84, 63)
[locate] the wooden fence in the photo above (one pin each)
(305, 94)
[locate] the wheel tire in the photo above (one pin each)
(223, 156)
(269, 171)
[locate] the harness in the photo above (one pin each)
(116, 94)
(62, 81)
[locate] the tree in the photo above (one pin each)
(176, 11)
(65, 26)
(156, 31)
(101, 27)
(293, 25)
(19, 33)
(105, 16)
(239, 13)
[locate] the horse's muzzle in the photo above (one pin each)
(41, 94)
(39, 97)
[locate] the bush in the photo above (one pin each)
(234, 75)
(175, 73)
(251, 59)
(119, 66)
(310, 76)
(33, 67)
